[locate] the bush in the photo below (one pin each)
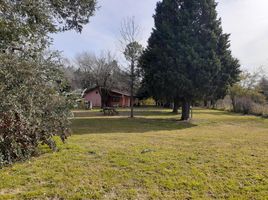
(261, 110)
(147, 102)
(243, 105)
(33, 107)
(244, 99)
(224, 104)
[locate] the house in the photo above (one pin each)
(116, 98)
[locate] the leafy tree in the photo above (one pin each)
(26, 24)
(33, 106)
(187, 53)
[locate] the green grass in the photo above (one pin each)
(218, 155)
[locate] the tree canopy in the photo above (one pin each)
(188, 56)
(26, 24)
(33, 106)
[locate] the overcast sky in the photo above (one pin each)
(246, 20)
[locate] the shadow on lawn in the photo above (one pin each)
(217, 112)
(137, 113)
(125, 125)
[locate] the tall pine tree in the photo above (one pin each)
(187, 53)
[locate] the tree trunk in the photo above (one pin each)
(175, 107)
(186, 106)
(104, 101)
(233, 99)
(156, 103)
(205, 103)
(213, 104)
(132, 90)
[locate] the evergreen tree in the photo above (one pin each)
(228, 74)
(187, 53)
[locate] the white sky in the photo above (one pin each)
(245, 20)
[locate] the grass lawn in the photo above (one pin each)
(218, 155)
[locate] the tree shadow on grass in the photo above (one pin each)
(125, 113)
(142, 113)
(218, 112)
(126, 125)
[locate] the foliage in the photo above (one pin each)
(188, 56)
(263, 87)
(26, 24)
(246, 95)
(243, 100)
(148, 102)
(133, 52)
(33, 108)
(222, 156)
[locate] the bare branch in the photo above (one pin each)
(130, 31)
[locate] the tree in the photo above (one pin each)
(263, 87)
(245, 94)
(228, 73)
(132, 51)
(185, 54)
(26, 24)
(34, 107)
(102, 72)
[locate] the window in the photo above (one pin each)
(116, 99)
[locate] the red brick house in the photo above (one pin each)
(116, 98)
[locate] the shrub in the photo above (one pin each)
(148, 102)
(261, 110)
(33, 107)
(244, 99)
(224, 104)
(243, 105)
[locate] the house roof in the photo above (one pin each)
(86, 91)
(120, 92)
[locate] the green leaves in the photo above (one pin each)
(188, 56)
(32, 108)
(133, 51)
(26, 24)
